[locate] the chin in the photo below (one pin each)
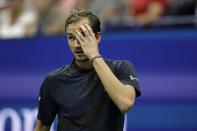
(82, 59)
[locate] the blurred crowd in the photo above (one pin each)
(27, 18)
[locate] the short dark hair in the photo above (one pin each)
(78, 14)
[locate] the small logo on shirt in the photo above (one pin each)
(133, 78)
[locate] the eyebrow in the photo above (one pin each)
(70, 34)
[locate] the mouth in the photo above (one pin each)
(79, 51)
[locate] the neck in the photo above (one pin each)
(84, 65)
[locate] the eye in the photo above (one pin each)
(71, 38)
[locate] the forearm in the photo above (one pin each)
(122, 95)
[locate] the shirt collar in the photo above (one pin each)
(75, 68)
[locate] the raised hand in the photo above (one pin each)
(88, 41)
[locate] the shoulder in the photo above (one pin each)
(57, 72)
(51, 78)
(118, 63)
(120, 67)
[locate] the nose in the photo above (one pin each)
(76, 44)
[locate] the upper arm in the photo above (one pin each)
(47, 108)
(41, 127)
(127, 75)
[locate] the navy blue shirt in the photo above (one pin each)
(79, 99)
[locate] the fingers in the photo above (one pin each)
(81, 39)
(91, 33)
(86, 31)
(79, 36)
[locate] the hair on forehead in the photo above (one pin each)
(77, 15)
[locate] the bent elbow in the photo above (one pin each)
(126, 106)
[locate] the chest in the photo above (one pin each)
(79, 95)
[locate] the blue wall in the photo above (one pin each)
(165, 62)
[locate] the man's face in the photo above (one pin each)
(73, 43)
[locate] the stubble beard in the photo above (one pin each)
(84, 59)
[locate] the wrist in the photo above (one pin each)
(95, 57)
(91, 55)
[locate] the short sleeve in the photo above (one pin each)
(47, 108)
(126, 74)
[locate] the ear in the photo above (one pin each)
(98, 37)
